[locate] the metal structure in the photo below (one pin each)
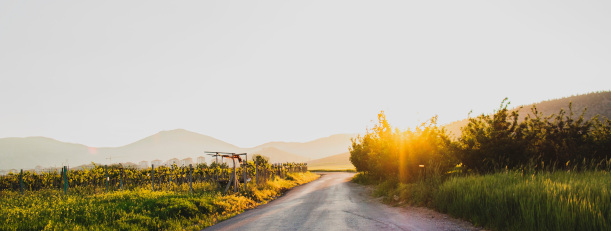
(233, 156)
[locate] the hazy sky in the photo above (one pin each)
(107, 73)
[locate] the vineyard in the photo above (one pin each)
(101, 179)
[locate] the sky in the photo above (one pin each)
(108, 73)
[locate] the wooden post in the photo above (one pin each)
(65, 180)
(21, 181)
(190, 178)
(171, 172)
(153, 176)
(235, 177)
(228, 184)
(106, 178)
(121, 179)
(244, 171)
(256, 172)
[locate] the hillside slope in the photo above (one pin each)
(339, 161)
(597, 103)
(164, 145)
(29, 152)
(277, 155)
(315, 149)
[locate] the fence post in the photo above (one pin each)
(121, 179)
(190, 178)
(153, 176)
(244, 172)
(171, 172)
(106, 178)
(65, 180)
(235, 177)
(21, 181)
(59, 185)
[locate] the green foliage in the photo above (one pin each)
(543, 172)
(137, 209)
(387, 154)
(95, 179)
(261, 160)
(492, 142)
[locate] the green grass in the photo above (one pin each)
(139, 209)
(512, 201)
(330, 166)
(543, 201)
(333, 170)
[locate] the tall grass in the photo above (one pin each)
(512, 200)
(138, 209)
(541, 201)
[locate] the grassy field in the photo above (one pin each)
(139, 209)
(332, 167)
(339, 162)
(514, 201)
(545, 201)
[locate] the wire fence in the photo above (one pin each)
(100, 179)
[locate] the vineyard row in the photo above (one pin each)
(116, 177)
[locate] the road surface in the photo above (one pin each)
(334, 203)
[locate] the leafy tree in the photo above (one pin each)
(491, 142)
(390, 154)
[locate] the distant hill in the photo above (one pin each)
(597, 103)
(339, 161)
(315, 149)
(32, 151)
(29, 152)
(277, 155)
(164, 145)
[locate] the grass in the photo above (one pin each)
(543, 201)
(333, 170)
(330, 167)
(511, 200)
(139, 209)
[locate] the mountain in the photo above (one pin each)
(339, 161)
(164, 145)
(277, 155)
(597, 103)
(29, 152)
(315, 149)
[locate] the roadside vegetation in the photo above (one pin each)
(504, 171)
(138, 208)
(333, 170)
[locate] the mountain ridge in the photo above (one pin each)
(33, 151)
(597, 103)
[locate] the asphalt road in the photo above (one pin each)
(334, 203)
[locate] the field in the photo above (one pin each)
(137, 209)
(560, 200)
(331, 167)
(340, 162)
